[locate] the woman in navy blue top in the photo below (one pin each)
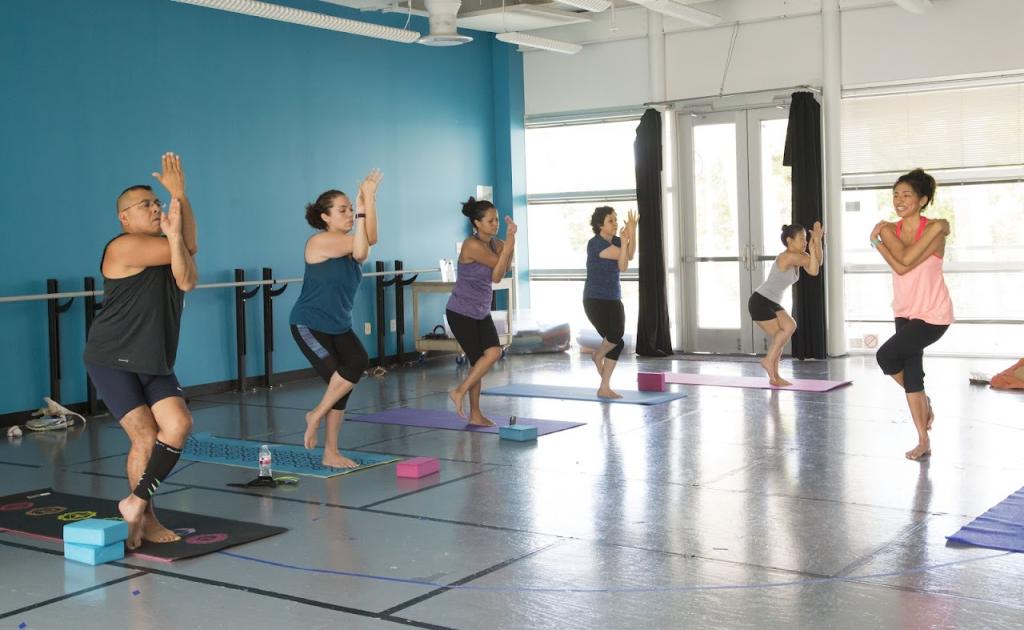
(607, 256)
(321, 320)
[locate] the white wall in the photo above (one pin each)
(880, 43)
(605, 75)
(767, 55)
(956, 37)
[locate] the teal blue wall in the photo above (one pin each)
(266, 116)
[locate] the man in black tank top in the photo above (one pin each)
(133, 343)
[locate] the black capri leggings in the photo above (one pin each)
(609, 318)
(333, 353)
(474, 335)
(903, 352)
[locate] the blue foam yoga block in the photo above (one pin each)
(518, 432)
(91, 554)
(97, 532)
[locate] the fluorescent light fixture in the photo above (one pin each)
(680, 11)
(308, 18)
(542, 43)
(915, 6)
(594, 6)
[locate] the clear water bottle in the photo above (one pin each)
(265, 461)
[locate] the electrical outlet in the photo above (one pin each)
(367, 329)
(394, 326)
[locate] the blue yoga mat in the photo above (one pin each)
(1001, 527)
(581, 393)
(287, 458)
(441, 419)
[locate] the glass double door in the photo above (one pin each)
(735, 199)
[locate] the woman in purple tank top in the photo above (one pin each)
(483, 260)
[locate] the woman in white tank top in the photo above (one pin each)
(763, 304)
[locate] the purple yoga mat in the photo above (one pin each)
(756, 382)
(441, 419)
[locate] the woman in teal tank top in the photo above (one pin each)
(321, 320)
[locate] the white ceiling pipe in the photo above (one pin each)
(594, 6)
(681, 11)
(541, 43)
(308, 18)
(915, 6)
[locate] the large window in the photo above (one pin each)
(980, 193)
(572, 169)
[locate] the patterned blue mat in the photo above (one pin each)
(287, 458)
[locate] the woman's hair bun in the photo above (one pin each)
(469, 206)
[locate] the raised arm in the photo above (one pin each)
(366, 203)
(183, 265)
(814, 251)
(631, 220)
(474, 250)
(505, 253)
(809, 261)
(172, 178)
(324, 245)
(622, 260)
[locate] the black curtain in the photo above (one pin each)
(653, 336)
(803, 154)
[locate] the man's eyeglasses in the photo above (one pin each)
(147, 204)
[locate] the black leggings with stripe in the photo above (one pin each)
(333, 353)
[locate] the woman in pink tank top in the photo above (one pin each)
(914, 247)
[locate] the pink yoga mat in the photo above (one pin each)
(756, 382)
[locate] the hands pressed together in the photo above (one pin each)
(368, 187)
(628, 231)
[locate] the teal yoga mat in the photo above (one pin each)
(287, 458)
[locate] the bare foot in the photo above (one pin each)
(768, 368)
(931, 414)
(919, 451)
(457, 399)
(312, 425)
(334, 459)
(132, 510)
(480, 420)
(153, 531)
(606, 392)
(778, 381)
(598, 362)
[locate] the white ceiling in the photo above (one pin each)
(530, 15)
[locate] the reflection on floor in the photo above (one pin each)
(729, 508)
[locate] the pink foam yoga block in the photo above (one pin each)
(418, 467)
(650, 381)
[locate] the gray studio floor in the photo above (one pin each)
(730, 508)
